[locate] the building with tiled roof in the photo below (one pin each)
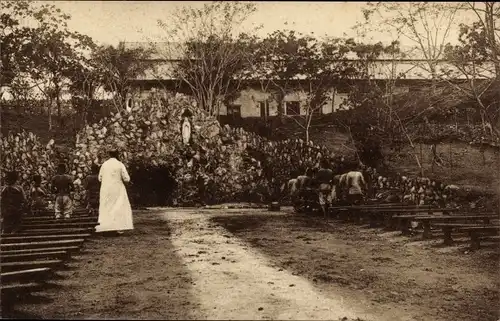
(253, 102)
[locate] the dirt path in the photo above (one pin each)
(134, 276)
(393, 277)
(254, 264)
(232, 281)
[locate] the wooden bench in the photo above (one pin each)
(15, 288)
(368, 207)
(390, 205)
(41, 244)
(51, 213)
(400, 216)
(11, 292)
(355, 212)
(52, 217)
(23, 265)
(59, 225)
(30, 238)
(476, 234)
(53, 220)
(377, 213)
(29, 274)
(54, 231)
(35, 256)
(428, 219)
(449, 227)
(73, 248)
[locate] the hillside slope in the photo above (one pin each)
(463, 164)
(64, 134)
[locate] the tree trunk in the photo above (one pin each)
(123, 103)
(50, 114)
(419, 164)
(489, 18)
(490, 28)
(58, 104)
(280, 100)
(421, 154)
(451, 158)
(435, 157)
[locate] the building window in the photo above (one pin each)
(264, 109)
(292, 108)
(416, 88)
(234, 111)
(317, 111)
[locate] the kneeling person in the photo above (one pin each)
(356, 184)
(324, 178)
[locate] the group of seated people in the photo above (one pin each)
(417, 190)
(354, 185)
(15, 203)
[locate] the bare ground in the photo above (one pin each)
(253, 264)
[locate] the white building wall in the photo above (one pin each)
(250, 98)
(340, 97)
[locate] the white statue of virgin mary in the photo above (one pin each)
(186, 127)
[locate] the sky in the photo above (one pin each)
(109, 22)
(113, 21)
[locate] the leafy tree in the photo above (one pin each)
(18, 38)
(296, 63)
(117, 67)
(86, 83)
(42, 55)
(56, 54)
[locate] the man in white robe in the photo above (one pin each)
(115, 212)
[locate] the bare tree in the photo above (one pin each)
(427, 25)
(476, 60)
(381, 112)
(207, 52)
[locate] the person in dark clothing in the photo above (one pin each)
(62, 186)
(323, 181)
(303, 185)
(92, 190)
(38, 196)
(14, 204)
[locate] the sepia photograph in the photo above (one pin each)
(250, 160)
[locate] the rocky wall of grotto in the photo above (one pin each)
(221, 163)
